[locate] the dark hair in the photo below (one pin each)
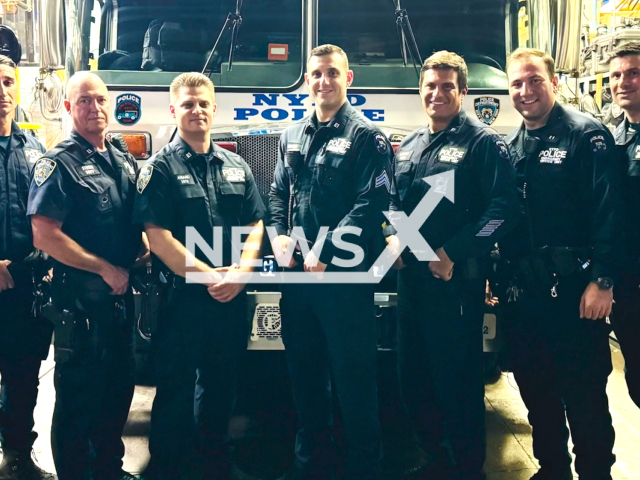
(624, 50)
(4, 60)
(444, 60)
(328, 49)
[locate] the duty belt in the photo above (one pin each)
(545, 268)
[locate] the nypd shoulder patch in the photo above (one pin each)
(381, 143)
(598, 143)
(144, 177)
(43, 170)
(500, 144)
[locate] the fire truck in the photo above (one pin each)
(255, 53)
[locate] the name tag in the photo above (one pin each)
(232, 174)
(185, 179)
(636, 155)
(88, 170)
(404, 155)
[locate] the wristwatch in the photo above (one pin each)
(605, 283)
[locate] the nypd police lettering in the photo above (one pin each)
(276, 107)
(338, 145)
(451, 154)
(32, 155)
(233, 174)
(553, 155)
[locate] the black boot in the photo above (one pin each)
(17, 466)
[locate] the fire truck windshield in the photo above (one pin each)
(146, 42)
(479, 30)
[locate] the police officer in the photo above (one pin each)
(24, 339)
(331, 173)
(194, 184)
(565, 255)
(81, 202)
(624, 80)
(441, 302)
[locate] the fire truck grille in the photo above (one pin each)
(261, 153)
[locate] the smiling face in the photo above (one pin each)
(441, 96)
(8, 91)
(625, 84)
(193, 109)
(532, 91)
(327, 78)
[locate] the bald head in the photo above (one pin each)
(88, 104)
(82, 80)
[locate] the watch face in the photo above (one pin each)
(605, 282)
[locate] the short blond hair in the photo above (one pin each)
(444, 60)
(190, 79)
(520, 54)
(328, 49)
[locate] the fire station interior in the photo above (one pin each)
(264, 424)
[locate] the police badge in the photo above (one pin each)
(144, 177)
(487, 109)
(130, 171)
(43, 170)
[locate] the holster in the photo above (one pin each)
(33, 270)
(154, 291)
(78, 331)
(65, 329)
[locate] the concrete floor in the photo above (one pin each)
(509, 451)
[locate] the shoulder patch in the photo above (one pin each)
(43, 170)
(501, 145)
(144, 177)
(598, 143)
(381, 143)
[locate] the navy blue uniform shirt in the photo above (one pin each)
(332, 176)
(178, 188)
(486, 201)
(16, 163)
(627, 136)
(568, 176)
(93, 199)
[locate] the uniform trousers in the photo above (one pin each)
(24, 343)
(440, 366)
(197, 350)
(94, 389)
(626, 325)
(561, 363)
(331, 329)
